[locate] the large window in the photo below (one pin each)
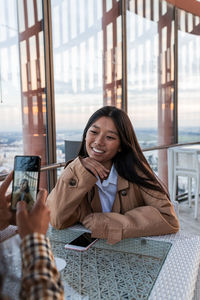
(11, 142)
(150, 73)
(139, 55)
(87, 63)
(188, 77)
(22, 82)
(150, 64)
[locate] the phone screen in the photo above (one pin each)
(26, 180)
(82, 242)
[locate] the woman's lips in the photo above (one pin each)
(98, 150)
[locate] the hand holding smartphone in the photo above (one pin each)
(26, 180)
(81, 243)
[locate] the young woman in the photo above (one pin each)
(110, 187)
(23, 194)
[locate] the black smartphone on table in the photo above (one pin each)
(26, 180)
(81, 243)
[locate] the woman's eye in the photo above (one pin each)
(93, 131)
(110, 138)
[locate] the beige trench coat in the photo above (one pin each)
(136, 211)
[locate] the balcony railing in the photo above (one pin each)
(62, 164)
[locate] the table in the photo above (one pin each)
(164, 267)
(7, 232)
(126, 270)
(171, 163)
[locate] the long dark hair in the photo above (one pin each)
(27, 185)
(130, 162)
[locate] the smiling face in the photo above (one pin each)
(102, 141)
(23, 185)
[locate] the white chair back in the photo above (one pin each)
(186, 161)
(186, 164)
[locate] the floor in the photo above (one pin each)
(186, 218)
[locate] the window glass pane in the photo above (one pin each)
(90, 14)
(23, 55)
(33, 59)
(188, 77)
(21, 20)
(150, 74)
(22, 85)
(39, 10)
(3, 26)
(30, 10)
(10, 96)
(41, 58)
(87, 63)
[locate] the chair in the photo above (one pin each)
(71, 149)
(186, 164)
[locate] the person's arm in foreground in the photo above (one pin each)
(40, 277)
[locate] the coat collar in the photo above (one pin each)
(122, 183)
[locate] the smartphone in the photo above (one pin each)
(81, 243)
(26, 180)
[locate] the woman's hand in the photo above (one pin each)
(98, 224)
(35, 221)
(95, 167)
(5, 213)
(105, 226)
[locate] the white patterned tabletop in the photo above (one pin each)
(178, 276)
(164, 267)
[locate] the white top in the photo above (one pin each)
(107, 190)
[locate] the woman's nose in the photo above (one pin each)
(99, 140)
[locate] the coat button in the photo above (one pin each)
(123, 193)
(72, 182)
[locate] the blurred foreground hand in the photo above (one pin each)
(37, 220)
